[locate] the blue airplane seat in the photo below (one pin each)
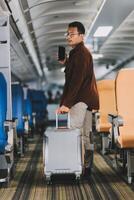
(28, 109)
(18, 107)
(39, 104)
(3, 110)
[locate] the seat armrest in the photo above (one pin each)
(96, 117)
(8, 148)
(8, 124)
(118, 121)
(111, 117)
(33, 114)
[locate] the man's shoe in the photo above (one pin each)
(86, 174)
(88, 159)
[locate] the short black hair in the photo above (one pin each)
(79, 25)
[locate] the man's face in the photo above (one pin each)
(74, 37)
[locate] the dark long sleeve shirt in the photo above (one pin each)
(80, 83)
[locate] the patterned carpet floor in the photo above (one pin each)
(29, 184)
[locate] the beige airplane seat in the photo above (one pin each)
(124, 127)
(106, 89)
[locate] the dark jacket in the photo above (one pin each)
(80, 83)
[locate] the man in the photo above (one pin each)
(80, 95)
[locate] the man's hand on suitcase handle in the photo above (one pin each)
(62, 110)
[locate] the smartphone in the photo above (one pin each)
(61, 53)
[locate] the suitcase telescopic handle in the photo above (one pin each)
(68, 120)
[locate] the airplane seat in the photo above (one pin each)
(125, 104)
(18, 112)
(28, 113)
(18, 107)
(106, 89)
(124, 132)
(3, 110)
(39, 104)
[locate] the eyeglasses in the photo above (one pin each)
(71, 34)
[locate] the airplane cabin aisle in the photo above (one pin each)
(29, 182)
(34, 82)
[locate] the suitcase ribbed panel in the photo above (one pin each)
(62, 151)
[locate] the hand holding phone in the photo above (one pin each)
(61, 53)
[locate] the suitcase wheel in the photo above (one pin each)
(48, 180)
(77, 179)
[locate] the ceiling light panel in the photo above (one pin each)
(103, 31)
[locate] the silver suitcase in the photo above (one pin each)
(62, 152)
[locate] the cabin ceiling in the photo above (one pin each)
(119, 45)
(46, 22)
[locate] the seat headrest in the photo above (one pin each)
(105, 84)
